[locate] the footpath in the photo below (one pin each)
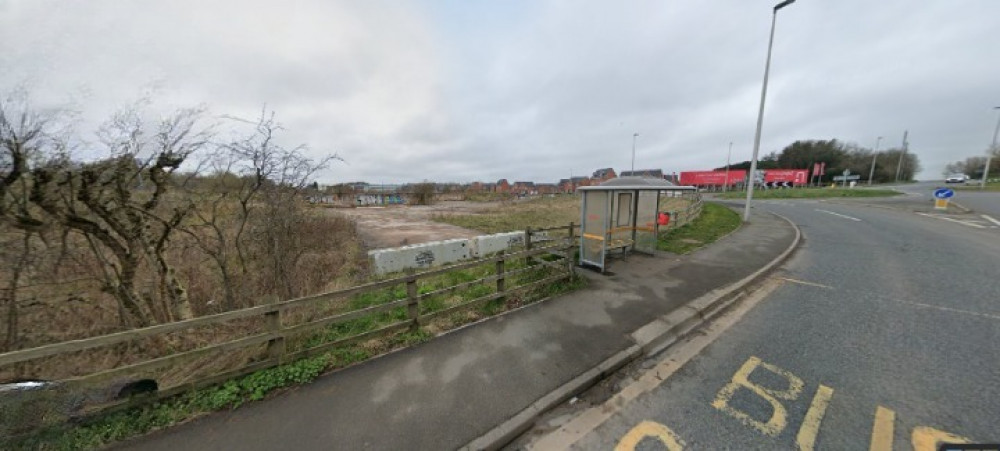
(481, 385)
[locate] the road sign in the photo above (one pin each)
(841, 178)
(943, 193)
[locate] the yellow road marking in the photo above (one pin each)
(741, 379)
(569, 433)
(650, 429)
(927, 439)
(806, 439)
(802, 282)
(882, 429)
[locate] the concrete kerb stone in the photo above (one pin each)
(649, 340)
(516, 425)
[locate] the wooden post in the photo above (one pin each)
(527, 245)
(412, 303)
(570, 249)
(275, 346)
(500, 271)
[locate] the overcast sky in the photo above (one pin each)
(461, 90)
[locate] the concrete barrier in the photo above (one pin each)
(436, 253)
(425, 255)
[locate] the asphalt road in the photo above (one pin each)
(883, 331)
(980, 202)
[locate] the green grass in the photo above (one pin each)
(990, 186)
(714, 222)
(114, 427)
(539, 213)
(810, 193)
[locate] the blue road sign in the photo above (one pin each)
(943, 193)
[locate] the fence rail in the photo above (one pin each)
(276, 335)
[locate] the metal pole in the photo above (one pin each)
(634, 135)
(874, 156)
(993, 147)
(725, 186)
(760, 114)
(901, 155)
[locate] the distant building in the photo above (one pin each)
(547, 188)
(604, 174)
(503, 186)
(648, 173)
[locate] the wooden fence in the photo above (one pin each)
(558, 254)
(679, 218)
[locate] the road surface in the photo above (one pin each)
(882, 332)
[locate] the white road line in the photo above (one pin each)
(970, 224)
(991, 219)
(838, 214)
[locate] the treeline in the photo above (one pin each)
(180, 217)
(974, 166)
(839, 156)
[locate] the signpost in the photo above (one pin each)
(941, 198)
(847, 176)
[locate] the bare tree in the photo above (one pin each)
(124, 225)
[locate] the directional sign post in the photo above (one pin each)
(941, 198)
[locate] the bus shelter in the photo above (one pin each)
(621, 215)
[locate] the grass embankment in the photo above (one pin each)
(810, 193)
(511, 216)
(137, 421)
(714, 222)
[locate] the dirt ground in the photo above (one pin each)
(401, 225)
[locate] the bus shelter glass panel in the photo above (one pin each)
(621, 230)
(645, 221)
(594, 230)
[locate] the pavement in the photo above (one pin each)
(880, 333)
(459, 387)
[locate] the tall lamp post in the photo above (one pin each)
(634, 136)
(871, 173)
(993, 146)
(760, 113)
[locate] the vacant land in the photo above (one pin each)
(510, 216)
(811, 193)
(714, 222)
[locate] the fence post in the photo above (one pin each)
(412, 303)
(276, 345)
(570, 248)
(527, 245)
(500, 271)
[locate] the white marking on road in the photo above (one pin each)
(838, 214)
(966, 223)
(991, 219)
(802, 282)
(947, 309)
(672, 359)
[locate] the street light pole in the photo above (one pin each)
(634, 136)
(874, 156)
(729, 156)
(902, 154)
(760, 113)
(993, 147)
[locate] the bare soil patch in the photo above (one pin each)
(393, 226)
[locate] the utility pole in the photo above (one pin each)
(874, 156)
(993, 148)
(725, 186)
(634, 136)
(902, 154)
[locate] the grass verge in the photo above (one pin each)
(811, 193)
(114, 427)
(714, 222)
